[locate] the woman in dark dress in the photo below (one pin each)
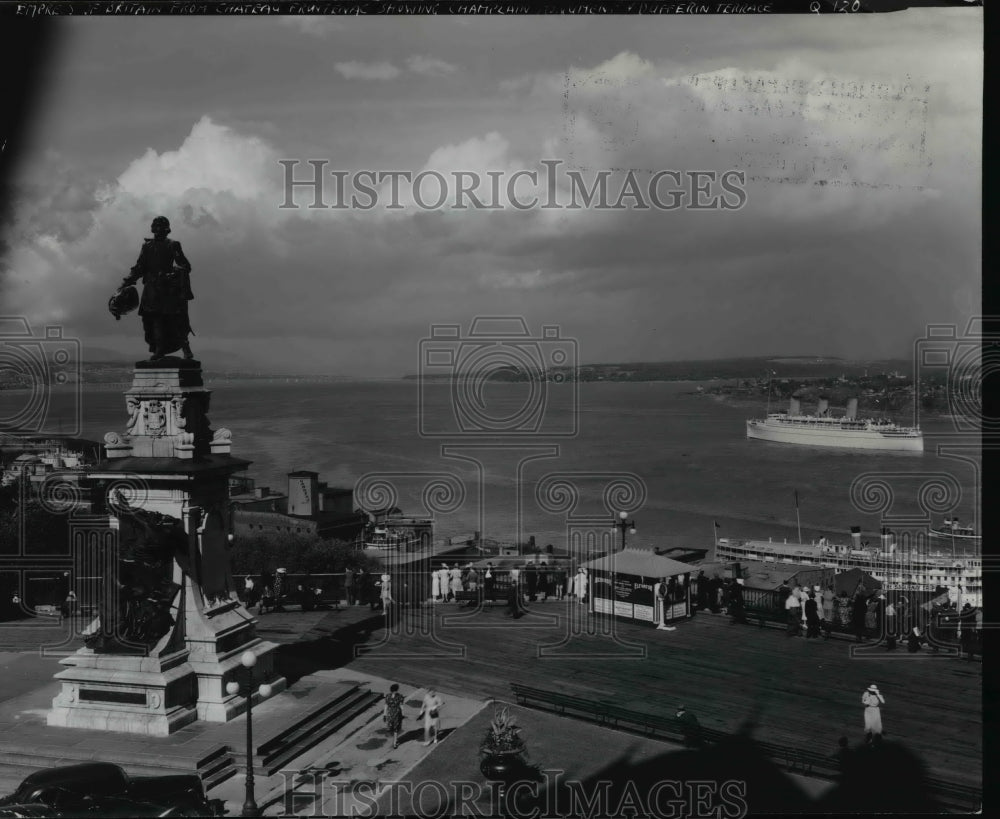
(393, 714)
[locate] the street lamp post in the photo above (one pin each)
(624, 524)
(249, 660)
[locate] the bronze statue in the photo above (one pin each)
(135, 609)
(166, 291)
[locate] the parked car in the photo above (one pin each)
(103, 789)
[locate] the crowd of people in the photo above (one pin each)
(533, 582)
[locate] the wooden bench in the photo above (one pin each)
(559, 701)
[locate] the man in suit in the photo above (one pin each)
(166, 291)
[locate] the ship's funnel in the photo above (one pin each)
(888, 541)
(852, 408)
(856, 537)
(824, 405)
(794, 407)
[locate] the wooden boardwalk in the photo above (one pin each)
(803, 693)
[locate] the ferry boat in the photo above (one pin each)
(825, 430)
(385, 538)
(951, 529)
(906, 570)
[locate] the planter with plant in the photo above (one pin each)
(502, 750)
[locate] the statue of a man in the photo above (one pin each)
(166, 291)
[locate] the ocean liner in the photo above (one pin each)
(823, 429)
(909, 569)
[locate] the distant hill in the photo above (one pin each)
(705, 370)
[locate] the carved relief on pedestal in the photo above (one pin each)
(222, 442)
(177, 403)
(117, 446)
(133, 407)
(154, 418)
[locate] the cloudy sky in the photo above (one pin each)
(859, 138)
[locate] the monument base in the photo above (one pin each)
(134, 695)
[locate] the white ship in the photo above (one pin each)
(900, 570)
(823, 429)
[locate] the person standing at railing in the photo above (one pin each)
(455, 578)
(967, 624)
(349, 585)
(793, 612)
(812, 616)
(736, 607)
(488, 582)
(444, 575)
(859, 611)
(891, 626)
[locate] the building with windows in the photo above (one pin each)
(310, 507)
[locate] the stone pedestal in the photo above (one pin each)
(129, 694)
(170, 461)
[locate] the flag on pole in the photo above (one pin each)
(717, 525)
(796, 498)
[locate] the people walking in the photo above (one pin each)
(392, 715)
(873, 700)
(430, 712)
(580, 585)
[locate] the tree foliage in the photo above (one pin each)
(299, 554)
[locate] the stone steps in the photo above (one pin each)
(308, 731)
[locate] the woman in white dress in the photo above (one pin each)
(442, 575)
(580, 585)
(435, 586)
(386, 592)
(430, 711)
(872, 700)
(456, 581)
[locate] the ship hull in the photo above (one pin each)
(902, 572)
(833, 438)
